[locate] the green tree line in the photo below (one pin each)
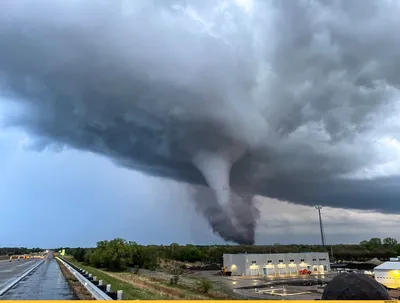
(9, 251)
(118, 254)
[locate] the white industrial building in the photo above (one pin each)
(388, 274)
(276, 264)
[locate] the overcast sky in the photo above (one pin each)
(195, 121)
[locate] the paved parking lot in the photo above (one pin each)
(245, 286)
(235, 282)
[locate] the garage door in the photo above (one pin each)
(292, 270)
(282, 270)
(270, 271)
(253, 271)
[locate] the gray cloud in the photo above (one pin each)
(299, 224)
(291, 100)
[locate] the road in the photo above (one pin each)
(10, 270)
(45, 283)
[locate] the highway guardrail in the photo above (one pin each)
(96, 288)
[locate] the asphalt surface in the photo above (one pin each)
(244, 286)
(45, 283)
(235, 282)
(11, 270)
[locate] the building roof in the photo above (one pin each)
(389, 266)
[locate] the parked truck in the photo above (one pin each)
(224, 272)
(304, 272)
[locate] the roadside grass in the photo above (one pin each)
(173, 292)
(144, 287)
(218, 286)
(130, 292)
(190, 284)
(214, 293)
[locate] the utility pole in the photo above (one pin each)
(319, 207)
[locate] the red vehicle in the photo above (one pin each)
(304, 272)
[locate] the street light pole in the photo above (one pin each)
(319, 207)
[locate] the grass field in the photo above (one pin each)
(130, 292)
(142, 287)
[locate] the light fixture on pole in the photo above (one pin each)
(319, 207)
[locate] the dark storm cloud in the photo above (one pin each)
(291, 97)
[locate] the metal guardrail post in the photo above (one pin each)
(120, 295)
(93, 289)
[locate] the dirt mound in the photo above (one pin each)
(206, 267)
(165, 263)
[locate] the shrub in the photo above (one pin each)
(204, 285)
(174, 279)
